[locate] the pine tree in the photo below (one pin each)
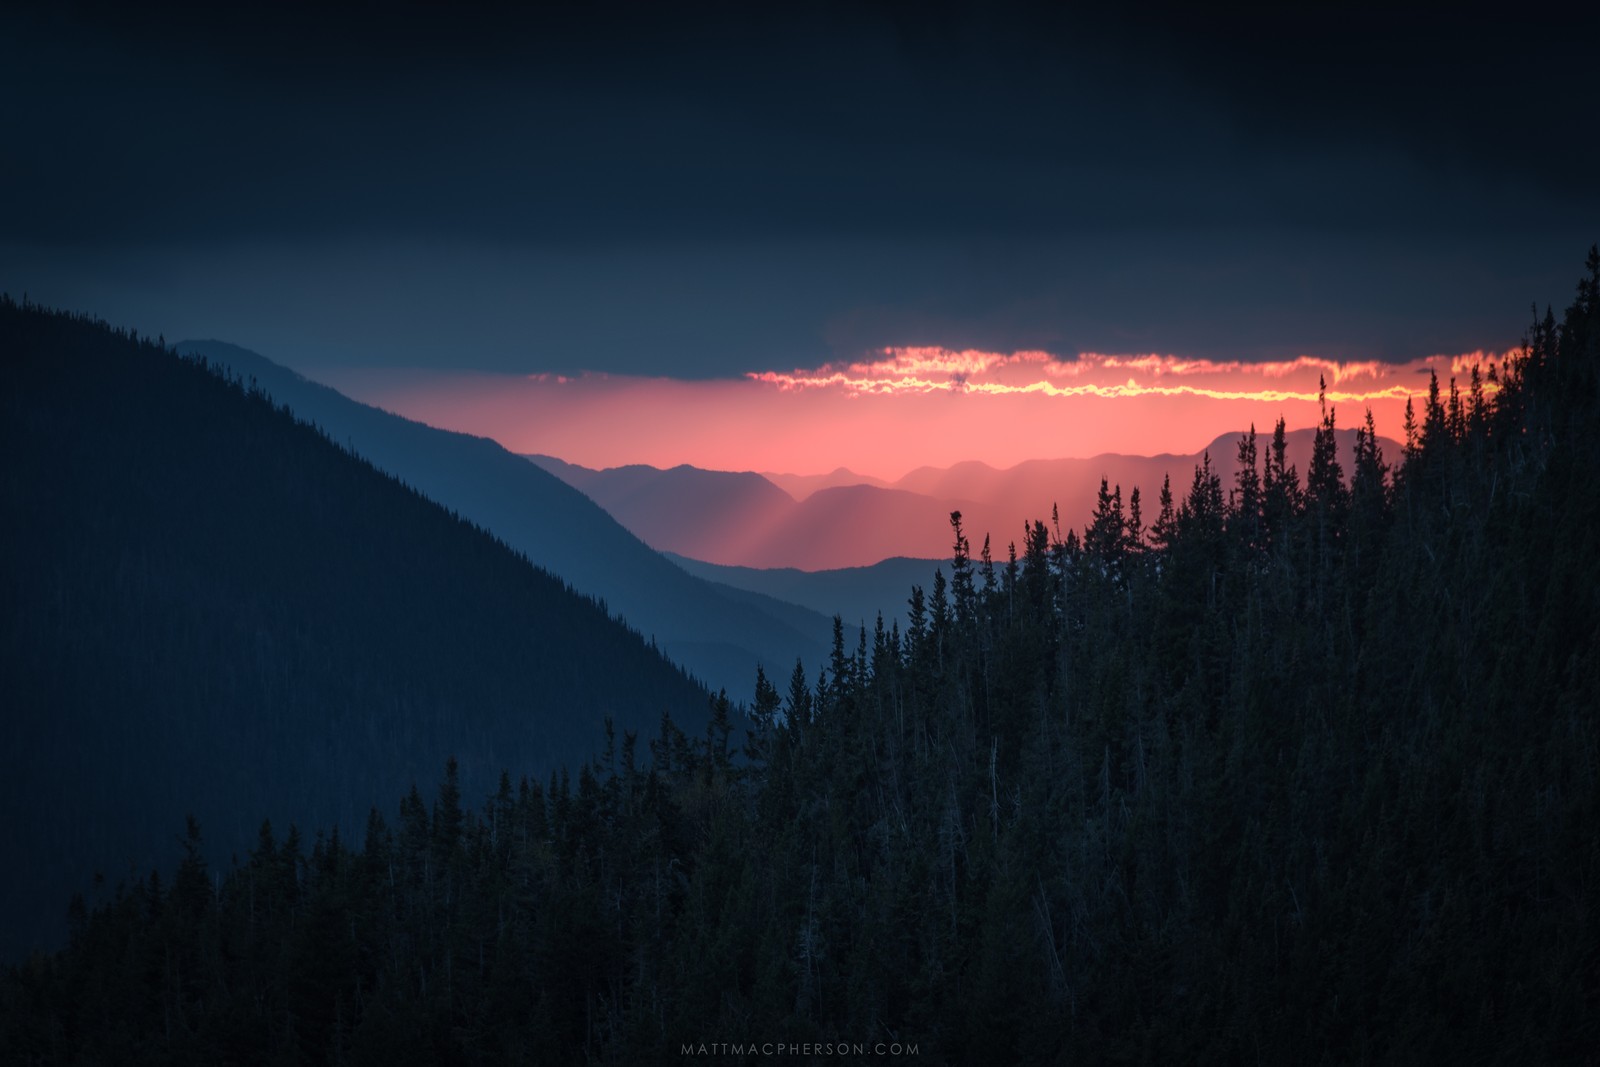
(1165, 529)
(1326, 498)
(962, 590)
(1244, 504)
(1280, 488)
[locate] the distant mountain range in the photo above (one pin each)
(743, 519)
(719, 637)
(747, 520)
(801, 486)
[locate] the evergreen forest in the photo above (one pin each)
(1303, 767)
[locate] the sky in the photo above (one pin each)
(674, 207)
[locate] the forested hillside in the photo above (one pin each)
(207, 607)
(1303, 767)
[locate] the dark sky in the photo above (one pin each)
(705, 191)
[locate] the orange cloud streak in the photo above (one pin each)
(924, 370)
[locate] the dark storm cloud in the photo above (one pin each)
(260, 118)
(702, 190)
(1499, 89)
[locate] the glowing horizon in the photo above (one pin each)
(906, 407)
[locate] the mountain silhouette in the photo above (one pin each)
(720, 640)
(801, 486)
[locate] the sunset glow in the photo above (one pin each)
(907, 407)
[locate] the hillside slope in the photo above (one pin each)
(719, 640)
(211, 608)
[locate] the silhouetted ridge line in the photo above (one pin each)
(718, 639)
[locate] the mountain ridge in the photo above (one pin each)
(554, 523)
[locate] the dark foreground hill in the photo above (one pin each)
(208, 607)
